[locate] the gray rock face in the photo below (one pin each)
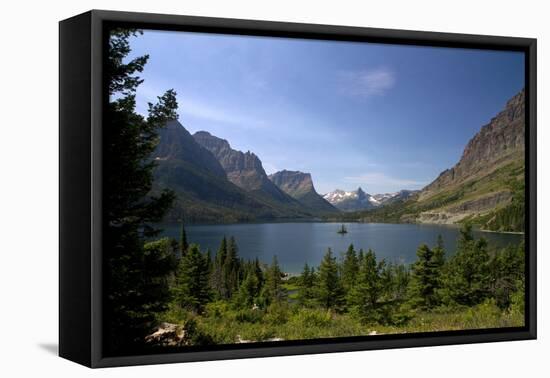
(299, 185)
(294, 183)
(177, 144)
(243, 169)
(499, 140)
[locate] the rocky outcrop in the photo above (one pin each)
(299, 185)
(502, 139)
(177, 144)
(294, 183)
(491, 168)
(482, 204)
(471, 208)
(168, 335)
(243, 169)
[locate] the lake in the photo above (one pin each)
(298, 243)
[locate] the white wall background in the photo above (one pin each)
(29, 188)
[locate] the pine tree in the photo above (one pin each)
(507, 270)
(467, 278)
(368, 289)
(360, 257)
(258, 272)
(230, 269)
(209, 263)
(273, 289)
(329, 292)
(401, 279)
(248, 291)
(387, 280)
(183, 239)
(191, 289)
(439, 252)
(350, 268)
(425, 278)
(132, 295)
(306, 291)
(217, 279)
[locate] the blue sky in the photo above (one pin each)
(383, 117)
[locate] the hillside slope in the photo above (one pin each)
(486, 186)
(204, 193)
(245, 170)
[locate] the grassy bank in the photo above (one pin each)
(220, 324)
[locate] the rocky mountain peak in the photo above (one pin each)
(292, 182)
(176, 143)
(299, 185)
(502, 139)
(243, 169)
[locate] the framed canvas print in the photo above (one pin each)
(233, 188)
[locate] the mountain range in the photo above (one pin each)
(359, 200)
(216, 183)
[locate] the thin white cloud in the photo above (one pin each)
(198, 109)
(194, 107)
(380, 179)
(368, 82)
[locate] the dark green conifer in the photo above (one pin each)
(330, 293)
(191, 289)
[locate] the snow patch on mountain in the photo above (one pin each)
(360, 200)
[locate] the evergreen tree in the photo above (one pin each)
(273, 289)
(132, 295)
(507, 269)
(183, 239)
(439, 252)
(368, 289)
(467, 277)
(401, 278)
(258, 272)
(387, 280)
(306, 291)
(217, 279)
(360, 257)
(191, 289)
(329, 291)
(209, 262)
(248, 291)
(426, 277)
(230, 269)
(350, 268)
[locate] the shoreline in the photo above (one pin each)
(450, 225)
(503, 232)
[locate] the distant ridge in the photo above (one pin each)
(359, 200)
(204, 193)
(300, 186)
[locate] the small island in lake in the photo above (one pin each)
(342, 230)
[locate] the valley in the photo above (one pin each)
(215, 183)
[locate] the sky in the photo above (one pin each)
(382, 117)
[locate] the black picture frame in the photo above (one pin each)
(82, 41)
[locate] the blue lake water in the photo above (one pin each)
(298, 243)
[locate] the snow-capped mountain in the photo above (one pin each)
(360, 200)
